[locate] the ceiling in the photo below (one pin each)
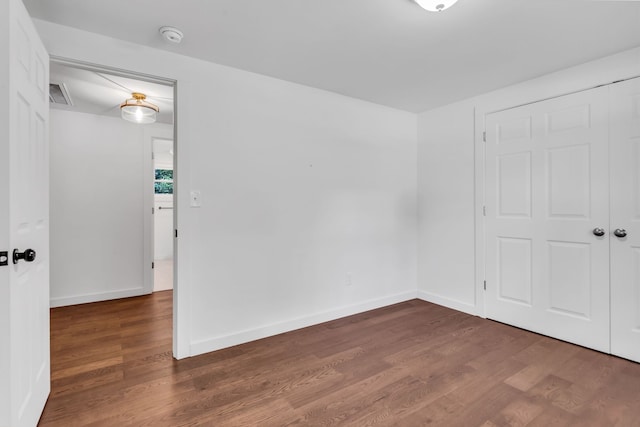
(101, 93)
(389, 52)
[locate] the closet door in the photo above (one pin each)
(547, 189)
(625, 215)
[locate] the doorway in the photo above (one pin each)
(100, 191)
(163, 208)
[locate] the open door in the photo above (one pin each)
(24, 219)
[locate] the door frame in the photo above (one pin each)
(544, 88)
(148, 201)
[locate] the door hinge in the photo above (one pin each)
(176, 230)
(153, 156)
(484, 211)
(484, 136)
(153, 211)
(4, 258)
(153, 265)
(485, 285)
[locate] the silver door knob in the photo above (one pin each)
(598, 231)
(620, 232)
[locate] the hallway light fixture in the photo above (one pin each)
(137, 110)
(435, 5)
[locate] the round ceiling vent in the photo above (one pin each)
(172, 34)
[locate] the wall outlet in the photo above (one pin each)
(347, 279)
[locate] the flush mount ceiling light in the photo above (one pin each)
(137, 110)
(435, 5)
(171, 34)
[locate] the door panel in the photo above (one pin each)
(514, 185)
(514, 270)
(546, 190)
(564, 119)
(514, 129)
(625, 214)
(569, 281)
(568, 176)
(25, 366)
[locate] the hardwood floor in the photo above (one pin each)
(410, 364)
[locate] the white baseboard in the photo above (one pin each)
(95, 297)
(220, 342)
(448, 302)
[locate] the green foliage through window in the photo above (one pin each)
(163, 187)
(164, 181)
(164, 175)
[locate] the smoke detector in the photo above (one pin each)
(171, 34)
(435, 5)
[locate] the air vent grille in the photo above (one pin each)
(58, 94)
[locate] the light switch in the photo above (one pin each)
(196, 200)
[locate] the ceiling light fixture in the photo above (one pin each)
(137, 110)
(171, 34)
(435, 5)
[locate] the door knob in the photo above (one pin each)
(598, 231)
(28, 255)
(620, 232)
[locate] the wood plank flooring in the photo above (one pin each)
(410, 364)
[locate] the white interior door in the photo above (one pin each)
(546, 191)
(625, 215)
(24, 220)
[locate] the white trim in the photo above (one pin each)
(181, 223)
(96, 297)
(448, 302)
(479, 206)
(90, 66)
(147, 221)
(241, 337)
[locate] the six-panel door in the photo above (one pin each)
(625, 215)
(24, 329)
(546, 190)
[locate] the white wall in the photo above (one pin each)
(97, 202)
(445, 206)
(300, 187)
(450, 164)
